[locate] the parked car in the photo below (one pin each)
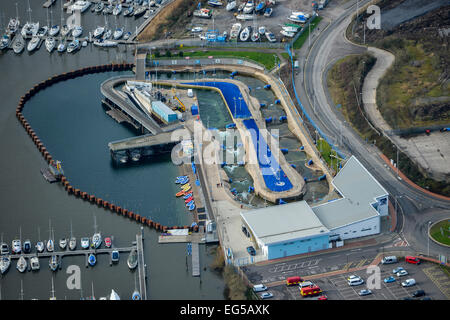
(364, 292)
(413, 260)
(251, 251)
(389, 279)
(266, 295)
(418, 293)
(245, 231)
(397, 270)
(402, 273)
(408, 283)
(259, 288)
(355, 281)
(388, 260)
(322, 297)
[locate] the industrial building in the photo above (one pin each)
(296, 228)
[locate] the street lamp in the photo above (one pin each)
(428, 231)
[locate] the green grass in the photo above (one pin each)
(301, 40)
(266, 59)
(443, 237)
(328, 154)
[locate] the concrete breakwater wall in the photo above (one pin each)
(72, 190)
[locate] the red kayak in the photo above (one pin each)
(188, 200)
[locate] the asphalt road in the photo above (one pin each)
(416, 208)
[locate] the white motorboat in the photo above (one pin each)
(40, 247)
(30, 29)
(33, 44)
(81, 6)
(244, 17)
(4, 43)
(197, 29)
(215, 3)
(19, 44)
(297, 19)
(13, 26)
(50, 44)
(54, 30)
(4, 249)
(115, 256)
(118, 33)
(99, 32)
(270, 36)
(231, 6)
(65, 31)
(300, 13)
(84, 43)
(290, 28)
(109, 9)
(287, 34)
(117, 9)
(77, 31)
(5, 262)
(245, 34)
(34, 262)
(73, 46)
(114, 295)
(63, 243)
(62, 46)
(96, 240)
(127, 36)
(16, 246)
(268, 12)
(42, 32)
(50, 245)
(99, 7)
(235, 30)
(203, 13)
(249, 7)
(139, 12)
(22, 264)
(105, 43)
(132, 260)
(129, 11)
(72, 243)
(85, 243)
(262, 30)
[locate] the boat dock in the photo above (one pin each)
(195, 260)
(48, 3)
(142, 267)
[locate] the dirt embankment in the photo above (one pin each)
(415, 92)
(171, 21)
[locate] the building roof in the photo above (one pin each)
(285, 222)
(359, 190)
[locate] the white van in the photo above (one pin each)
(388, 260)
(356, 281)
(259, 288)
(408, 283)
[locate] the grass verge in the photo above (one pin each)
(441, 232)
(301, 40)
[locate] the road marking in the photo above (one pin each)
(361, 263)
(444, 289)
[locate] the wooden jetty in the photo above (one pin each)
(141, 266)
(195, 260)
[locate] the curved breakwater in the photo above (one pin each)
(71, 189)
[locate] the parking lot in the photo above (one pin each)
(429, 277)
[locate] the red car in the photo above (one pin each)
(322, 297)
(413, 260)
(108, 242)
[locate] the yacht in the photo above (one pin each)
(268, 12)
(63, 243)
(260, 7)
(53, 30)
(287, 33)
(203, 13)
(19, 44)
(245, 34)
(248, 7)
(231, 6)
(107, 35)
(99, 7)
(30, 29)
(92, 260)
(99, 32)
(299, 19)
(127, 36)
(109, 9)
(13, 26)
(50, 44)
(73, 46)
(4, 249)
(115, 256)
(235, 30)
(16, 246)
(197, 29)
(262, 30)
(132, 259)
(54, 262)
(27, 246)
(65, 31)
(114, 295)
(85, 243)
(255, 35)
(5, 262)
(40, 247)
(244, 17)
(96, 240)
(77, 31)
(81, 5)
(118, 33)
(72, 243)
(129, 11)
(139, 12)
(108, 242)
(61, 46)
(22, 264)
(117, 10)
(270, 36)
(136, 295)
(300, 13)
(4, 43)
(42, 31)
(34, 262)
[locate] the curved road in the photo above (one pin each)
(416, 208)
